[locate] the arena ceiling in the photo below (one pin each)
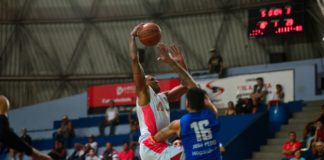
(55, 48)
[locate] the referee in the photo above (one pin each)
(10, 139)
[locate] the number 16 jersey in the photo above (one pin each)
(198, 135)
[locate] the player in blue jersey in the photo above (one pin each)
(197, 129)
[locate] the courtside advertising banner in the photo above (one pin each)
(123, 94)
(228, 89)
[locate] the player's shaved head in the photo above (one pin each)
(151, 81)
(4, 105)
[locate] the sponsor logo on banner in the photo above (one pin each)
(128, 89)
(217, 90)
(221, 91)
(123, 94)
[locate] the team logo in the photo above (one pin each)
(160, 107)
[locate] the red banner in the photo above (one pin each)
(123, 93)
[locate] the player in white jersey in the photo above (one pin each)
(152, 107)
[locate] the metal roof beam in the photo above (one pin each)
(67, 78)
(135, 17)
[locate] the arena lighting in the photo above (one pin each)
(277, 19)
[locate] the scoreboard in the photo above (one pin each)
(276, 19)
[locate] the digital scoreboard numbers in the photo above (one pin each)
(278, 19)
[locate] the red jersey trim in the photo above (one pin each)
(157, 147)
(177, 157)
(149, 119)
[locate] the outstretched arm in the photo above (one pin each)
(167, 132)
(13, 141)
(185, 77)
(179, 90)
(138, 73)
(177, 55)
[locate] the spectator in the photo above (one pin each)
(92, 155)
(319, 150)
(58, 135)
(58, 152)
(134, 133)
(177, 142)
(230, 111)
(215, 63)
(310, 129)
(127, 153)
(79, 152)
(244, 105)
(259, 94)
(110, 153)
(310, 153)
(308, 135)
(67, 131)
(134, 136)
(132, 116)
(289, 148)
(111, 119)
(27, 139)
(319, 133)
(278, 96)
(315, 152)
(92, 143)
(297, 156)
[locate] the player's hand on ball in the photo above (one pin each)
(136, 29)
(164, 54)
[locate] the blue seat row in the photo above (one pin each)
(226, 133)
(117, 140)
(87, 122)
(94, 121)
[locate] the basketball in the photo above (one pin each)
(150, 34)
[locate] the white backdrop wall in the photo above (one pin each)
(228, 89)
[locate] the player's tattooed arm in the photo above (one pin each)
(172, 129)
(138, 72)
